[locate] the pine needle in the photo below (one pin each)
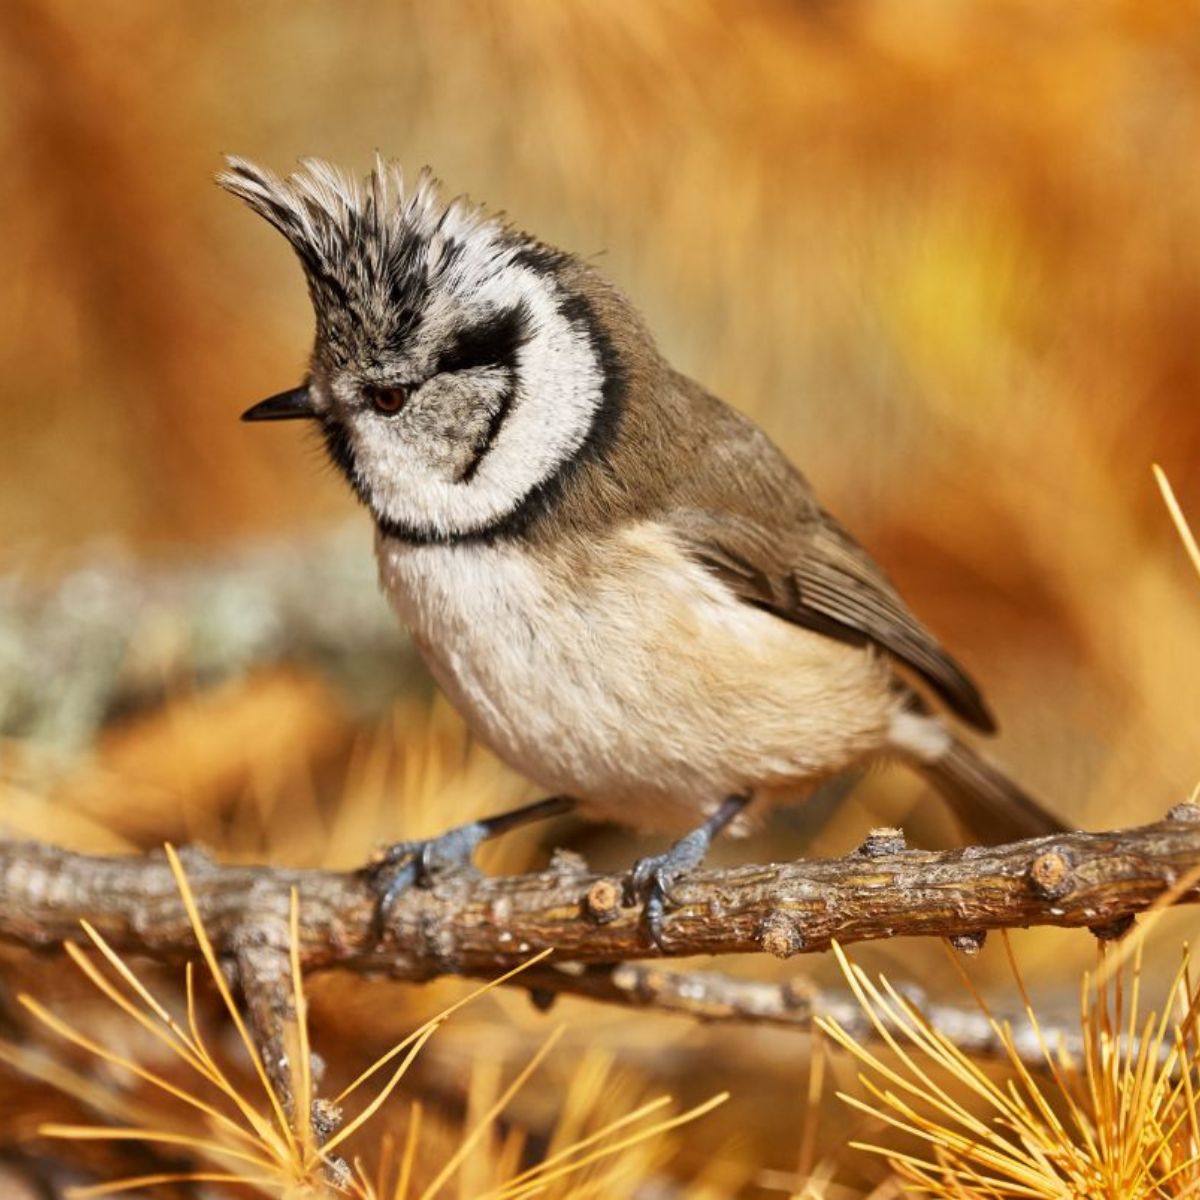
(1181, 522)
(1118, 1123)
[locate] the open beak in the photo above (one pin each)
(287, 406)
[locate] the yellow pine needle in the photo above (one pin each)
(576, 1146)
(478, 1171)
(445, 1014)
(485, 1123)
(1181, 522)
(179, 1045)
(63, 1030)
(377, 1102)
(146, 1181)
(260, 1129)
(509, 1157)
(279, 1156)
(644, 1135)
(872, 1002)
(806, 1160)
(588, 1083)
(403, 1180)
(1129, 1103)
(361, 1185)
(122, 968)
(106, 1133)
(304, 1093)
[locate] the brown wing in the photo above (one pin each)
(819, 577)
(733, 499)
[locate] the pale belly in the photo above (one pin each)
(644, 690)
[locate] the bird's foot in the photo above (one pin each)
(421, 864)
(403, 865)
(653, 878)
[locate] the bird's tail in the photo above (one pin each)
(993, 808)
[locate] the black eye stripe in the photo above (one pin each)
(493, 342)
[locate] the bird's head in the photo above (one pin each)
(459, 368)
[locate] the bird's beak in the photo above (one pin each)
(287, 406)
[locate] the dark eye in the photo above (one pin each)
(387, 400)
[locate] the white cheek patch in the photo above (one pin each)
(559, 388)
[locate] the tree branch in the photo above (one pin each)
(797, 1004)
(481, 927)
(484, 926)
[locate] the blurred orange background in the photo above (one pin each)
(947, 254)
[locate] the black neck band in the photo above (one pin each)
(601, 434)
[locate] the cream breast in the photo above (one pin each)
(627, 674)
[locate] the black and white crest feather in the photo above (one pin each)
(373, 249)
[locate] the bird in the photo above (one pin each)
(628, 591)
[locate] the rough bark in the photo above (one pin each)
(481, 926)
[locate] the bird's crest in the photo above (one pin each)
(373, 248)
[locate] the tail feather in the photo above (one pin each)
(993, 808)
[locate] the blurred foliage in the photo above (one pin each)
(947, 254)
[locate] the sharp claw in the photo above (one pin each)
(654, 912)
(396, 886)
(418, 864)
(642, 876)
(650, 882)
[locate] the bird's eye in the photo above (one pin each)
(387, 400)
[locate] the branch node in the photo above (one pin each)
(1115, 930)
(542, 999)
(327, 1119)
(1050, 874)
(969, 944)
(567, 864)
(780, 935)
(1187, 813)
(879, 843)
(603, 901)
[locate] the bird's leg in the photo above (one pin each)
(651, 878)
(404, 864)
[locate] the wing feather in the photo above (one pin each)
(817, 576)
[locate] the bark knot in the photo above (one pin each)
(780, 935)
(603, 901)
(970, 943)
(1050, 874)
(881, 842)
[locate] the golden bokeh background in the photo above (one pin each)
(947, 254)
